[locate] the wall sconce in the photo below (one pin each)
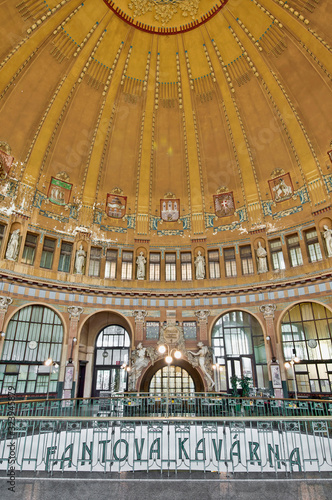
(2, 335)
(70, 360)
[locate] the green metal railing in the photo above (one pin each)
(195, 405)
(282, 445)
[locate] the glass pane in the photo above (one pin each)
(322, 371)
(295, 314)
(306, 311)
(312, 371)
(303, 383)
(322, 329)
(326, 349)
(325, 385)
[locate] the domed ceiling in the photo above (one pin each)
(168, 121)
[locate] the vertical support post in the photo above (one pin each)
(4, 303)
(71, 375)
(202, 320)
(270, 340)
(140, 322)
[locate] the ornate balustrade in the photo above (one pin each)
(281, 445)
(172, 405)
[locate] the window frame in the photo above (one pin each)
(230, 263)
(95, 262)
(170, 266)
(313, 246)
(247, 263)
(47, 252)
(111, 264)
(154, 267)
(127, 265)
(2, 233)
(65, 256)
(294, 251)
(214, 265)
(29, 246)
(275, 256)
(186, 266)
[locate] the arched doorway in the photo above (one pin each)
(173, 379)
(239, 349)
(111, 351)
(306, 331)
(180, 378)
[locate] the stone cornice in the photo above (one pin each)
(202, 292)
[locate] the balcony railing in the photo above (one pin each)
(172, 405)
(230, 445)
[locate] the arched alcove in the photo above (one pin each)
(160, 364)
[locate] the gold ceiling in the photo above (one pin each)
(164, 120)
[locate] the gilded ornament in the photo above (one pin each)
(164, 11)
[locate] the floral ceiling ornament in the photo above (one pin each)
(164, 9)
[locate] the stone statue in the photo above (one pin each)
(141, 261)
(140, 358)
(200, 266)
(13, 246)
(204, 362)
(328, 240)
(261, 258)
(80, 260)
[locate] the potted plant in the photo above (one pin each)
(234, 382)
(245, 383)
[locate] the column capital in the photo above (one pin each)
(140, 315)
(75, 312)
(202, 316)
(4, 303)
(268, 310)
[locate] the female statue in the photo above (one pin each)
(328, 240)
(200, 266)
(261, 258)
(13, 245)
(141, 261)
(203, 361)
(80, 260)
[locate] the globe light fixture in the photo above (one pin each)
(163, 348)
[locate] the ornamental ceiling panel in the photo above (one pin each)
(192, 101)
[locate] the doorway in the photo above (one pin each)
(111, 352)
(81, 379)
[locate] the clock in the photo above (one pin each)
(32, 344)
(312, 343)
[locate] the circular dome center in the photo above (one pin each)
(165, 17)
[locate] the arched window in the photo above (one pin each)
(34, 334)
(172, 379)
(112, 350)
(306, 333)
(238, 347)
